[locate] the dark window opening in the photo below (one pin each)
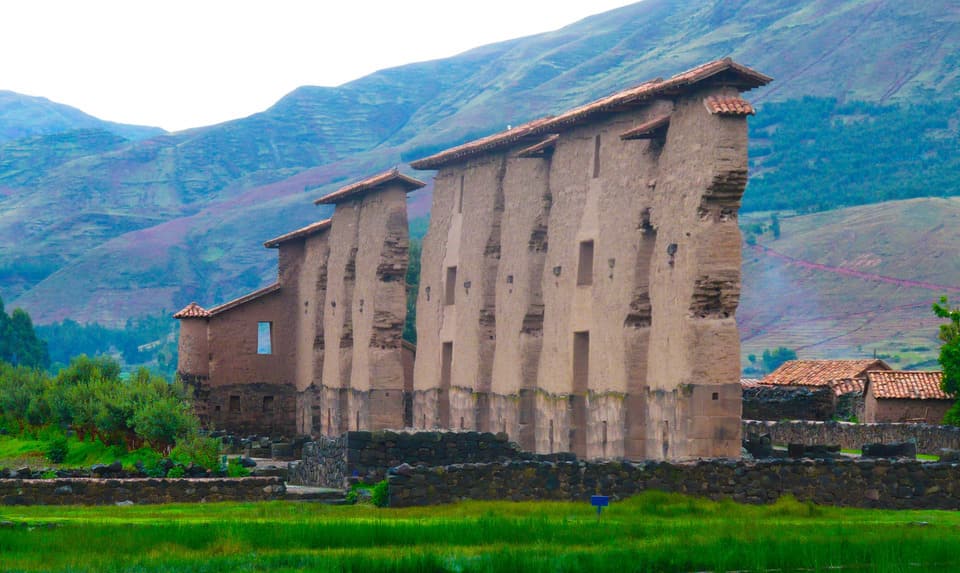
(446, 367)
(460, 197)
(358, 420)
(585, 267)
(716, 395)
(264, 338)
(329, 420)
(235, 403)
(451, 286)
(551, 436)
(268, 404)
(596, 156)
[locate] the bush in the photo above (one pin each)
(381, 496)
(57, 450)
(236, 469)
(176, 472)
(203, 452)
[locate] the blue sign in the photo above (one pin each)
(600, 502)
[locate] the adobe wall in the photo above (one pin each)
(930, 439)
(896, 410)
(310, 283)
(564, 366)
(362, 370)
(850, 483)
(95, 491)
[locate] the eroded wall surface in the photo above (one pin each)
(584, 300)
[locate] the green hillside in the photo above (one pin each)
(863, 109)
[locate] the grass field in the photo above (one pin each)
(651, 532)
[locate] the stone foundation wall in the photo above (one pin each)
(330, 462)
(788, 403)
(851, 483)
(930, 439)
(90, 491)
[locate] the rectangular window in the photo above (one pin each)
(264, 338)
(585, 266)
(268, 404)
(235, 404)
(446, 373)
(450, 293)
(596, 157)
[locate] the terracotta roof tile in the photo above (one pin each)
(728, 106)
(901, 384)
(647, 129)
(244, 299)
(750, 382)
(847, 386)
(192, 310)
(821, 372)
(369, 184)
(734, 74)
(302, 232)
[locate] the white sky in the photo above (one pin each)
(186, 63)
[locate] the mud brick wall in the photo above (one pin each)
(930, 439)
(788, 403)
(849, 483)
(330, 462)
(91, 491)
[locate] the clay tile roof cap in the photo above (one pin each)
(725, 70)
(901, 384)
(821, 372)
(728, 106)
(369, 184)
(300, 233)
(192, 310)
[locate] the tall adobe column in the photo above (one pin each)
(193, 351)
(694, 399)
(363, 374)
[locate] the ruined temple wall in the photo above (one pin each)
(379, 307)
(693, 406)
(338, 314)
(310, 296)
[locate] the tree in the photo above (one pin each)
(772, 359)
(949, 355)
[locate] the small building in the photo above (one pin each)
(903, 396)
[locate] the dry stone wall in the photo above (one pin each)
(929, 439)
(851, 483)
(94, 491)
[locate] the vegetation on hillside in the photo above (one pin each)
(19, 344)
(949, 358)
(148, 340)
(653, 531)
(814, 154)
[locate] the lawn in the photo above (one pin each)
(651, 532)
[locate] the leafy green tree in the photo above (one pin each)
(19, 344)
(772, 359)
(949, 355)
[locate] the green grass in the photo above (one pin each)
(651, 532)
(28, 449)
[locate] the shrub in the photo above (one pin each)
(176, 472)
(57, 450)
(236, 469)
(204, 452)
(381, 496)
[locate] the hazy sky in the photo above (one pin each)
(186, 63)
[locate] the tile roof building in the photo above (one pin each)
(905, 396)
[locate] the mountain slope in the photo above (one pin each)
(154, 224)
(851, 282)
(25, 116)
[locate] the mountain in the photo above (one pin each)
(137, 227)
(25, 116)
